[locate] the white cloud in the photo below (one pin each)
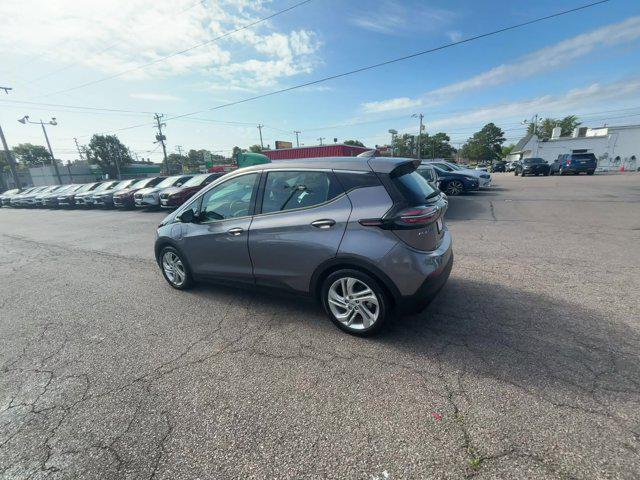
(160, 97)
(548, 58)
(575, 101)
(111, 37)
(395, 18)
(454, 35)
(400, 103)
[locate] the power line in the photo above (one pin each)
(396, 60)
(181, 52)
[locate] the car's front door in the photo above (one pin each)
(301, 221)
(215, 243)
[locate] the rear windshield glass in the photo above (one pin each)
(413, 187)
(583, 156)
(534, 160)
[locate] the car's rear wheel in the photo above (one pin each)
(454, 188)
(175, 269)
(590, 172)
(355, 302)
(522, 173)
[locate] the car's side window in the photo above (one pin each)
(298, 189)
(231, 199)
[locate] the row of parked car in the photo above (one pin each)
(154, 192)
(454, 179)
(565, 164)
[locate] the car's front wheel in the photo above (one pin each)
(355, 302)
(454, 188)
(175, 269)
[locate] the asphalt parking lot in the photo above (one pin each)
(527, 365)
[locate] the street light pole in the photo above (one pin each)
(420, 116)
(297, 132)
(321, 139)
(25, 120)
(10, 159)
(393, 133)
(260, 130)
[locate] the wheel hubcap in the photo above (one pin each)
(455, 188)
(174, 268)
(353, 303)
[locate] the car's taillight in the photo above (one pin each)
(417, 216)
(414, 217)
(568, 163)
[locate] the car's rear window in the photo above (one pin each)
(583, 156)
(533, 160)
(413, 187)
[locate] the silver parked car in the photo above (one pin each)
(366, 236)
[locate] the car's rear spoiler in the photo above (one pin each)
(393, 166)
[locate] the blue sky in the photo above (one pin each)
(584, 63)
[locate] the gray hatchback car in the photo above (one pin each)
(366, 236)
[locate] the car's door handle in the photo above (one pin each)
(325, 223)
(235, 231)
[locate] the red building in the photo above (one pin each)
(332, 150)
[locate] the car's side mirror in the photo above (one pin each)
(188, 216)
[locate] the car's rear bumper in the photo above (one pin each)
(429, 288)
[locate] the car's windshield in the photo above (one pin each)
(104, 186)
(167, 182)
(583, 156)
(141, 183)
(197, 180)
(454, 166)
(85, 187)
(123, 185)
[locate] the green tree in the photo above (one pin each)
(30, 155)
(507, 149)
(176, 163)
(545, 129)
(355, 143)
(109, 153)
(485, 145)
(255, 149)
(431, 146)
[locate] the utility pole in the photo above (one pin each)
(297, 138)
(10, 159)
(79, 149)
(161, 138)
(321, 139)
(420, 116)
(24, 120)
(393, 133)
(260, 130)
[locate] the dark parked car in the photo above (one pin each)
(50, 200)
(85, 199)
(105, 198)
(173, 197)
(150, 197)
(574, 163)
(125, 198)
(363, 235)
(498, 167)
(454, 183)
(532, 166)
(68, 199)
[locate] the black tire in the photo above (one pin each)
(546, 174)
(358, 328)
(522, 173)
(178, 284)
(590, 172)
(515, 172)
(453, 188)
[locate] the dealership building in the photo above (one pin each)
(614, 147)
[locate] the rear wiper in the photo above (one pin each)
(431, 195)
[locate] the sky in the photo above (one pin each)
(107, 66)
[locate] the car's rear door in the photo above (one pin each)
(215, 244)
(300, 221)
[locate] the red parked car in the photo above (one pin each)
(124, 199)
(173, 197)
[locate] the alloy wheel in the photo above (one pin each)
(454, 188)
(174, 269)
(353, 303)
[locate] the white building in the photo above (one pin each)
(614, 147)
